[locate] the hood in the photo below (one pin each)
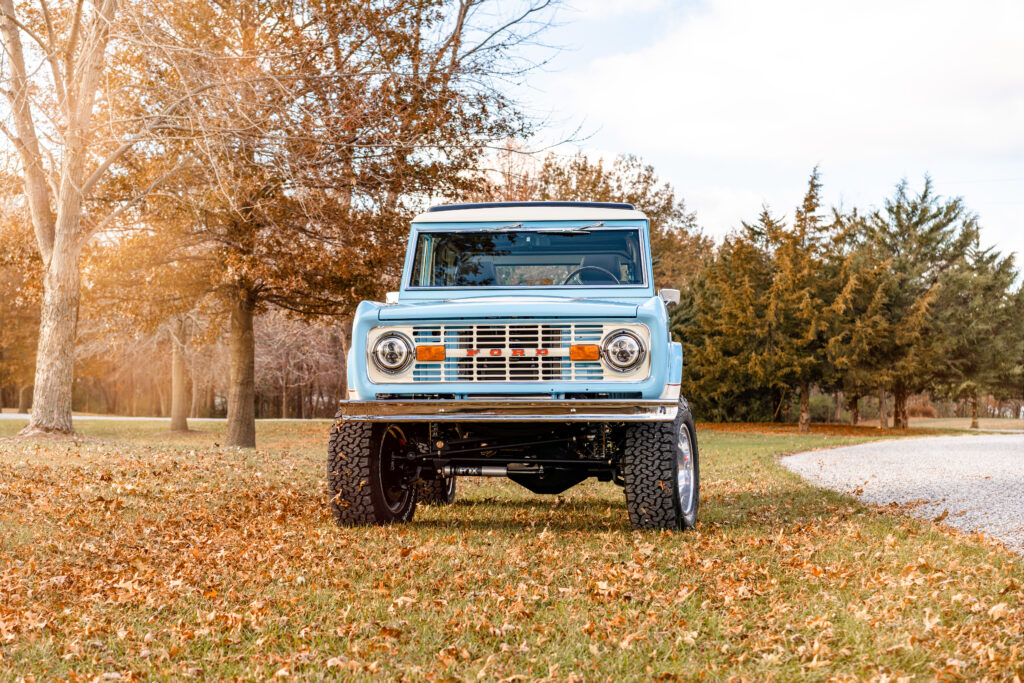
(508, 307)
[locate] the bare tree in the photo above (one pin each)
(296, 360)
(56, 178)
(325, 127)
(67, 121)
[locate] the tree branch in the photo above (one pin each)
(59, 83)
(134, 201)
(36, 188)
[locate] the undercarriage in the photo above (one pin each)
(544, 458)
(379, 470)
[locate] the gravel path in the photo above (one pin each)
(976, 481)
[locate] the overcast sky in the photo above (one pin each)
(734, 102)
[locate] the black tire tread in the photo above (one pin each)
(348, 473)
(649, 472)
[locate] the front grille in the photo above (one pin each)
(469, 358)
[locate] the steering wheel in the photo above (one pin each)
(599, 269)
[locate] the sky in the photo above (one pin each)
(735, 102)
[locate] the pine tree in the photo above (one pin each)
(800, 300)
(976, 310)
(922, 238)
(726, 332)
(861, 326)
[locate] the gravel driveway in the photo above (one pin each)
(976, 481)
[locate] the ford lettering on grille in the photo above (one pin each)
(469, 353)
(513, 352)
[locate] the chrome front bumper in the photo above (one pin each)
(510, 410)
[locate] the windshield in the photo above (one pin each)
(528, 258)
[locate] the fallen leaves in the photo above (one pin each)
(999, 611)
(151, 562)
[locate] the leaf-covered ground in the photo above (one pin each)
(147, 556)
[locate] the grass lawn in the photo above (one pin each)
(965, 423)
(160, 557)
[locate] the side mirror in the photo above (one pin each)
(669, 296)
(392, 298)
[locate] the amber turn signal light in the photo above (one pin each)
(429, 353)
(584, 352)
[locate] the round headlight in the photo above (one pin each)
(622, 350)
(392, 352)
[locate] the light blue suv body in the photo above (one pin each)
(526, 341)
(595, 304)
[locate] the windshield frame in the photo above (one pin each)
(529, 226)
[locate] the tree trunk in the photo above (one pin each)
(55, 355)
(161, 401)
(346, 337)
(194, 409)
(805, 407)
(242, 392)
(781, 401)
(307, 401)
(179, 389)
(899, 407)
(974, 412)
(284, 389)
(133, 404)
(854, 410)
(25, 398)
(109, 397)
(883, 418)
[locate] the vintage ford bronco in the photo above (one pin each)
(526, 341)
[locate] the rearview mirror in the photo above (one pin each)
(669, 296)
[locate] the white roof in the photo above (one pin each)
(519, 214)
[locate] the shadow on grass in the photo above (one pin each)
(569, 522)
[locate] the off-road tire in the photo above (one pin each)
(438, 491)
(354, 481)
(649, 471)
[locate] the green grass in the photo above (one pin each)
(965, 423)
(161, 556)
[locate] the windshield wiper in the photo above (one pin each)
(502, 228)
(581, 230)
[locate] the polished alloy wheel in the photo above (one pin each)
(395, 493)
(684, 470)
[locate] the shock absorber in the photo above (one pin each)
(490, 470)
(474, 471)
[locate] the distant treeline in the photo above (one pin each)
(195, 197)
(900, 300)
(778, 321)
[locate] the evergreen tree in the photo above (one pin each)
(726, 332)
(800, 301)
(977, 313)
(922, 238)
(860, 326)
